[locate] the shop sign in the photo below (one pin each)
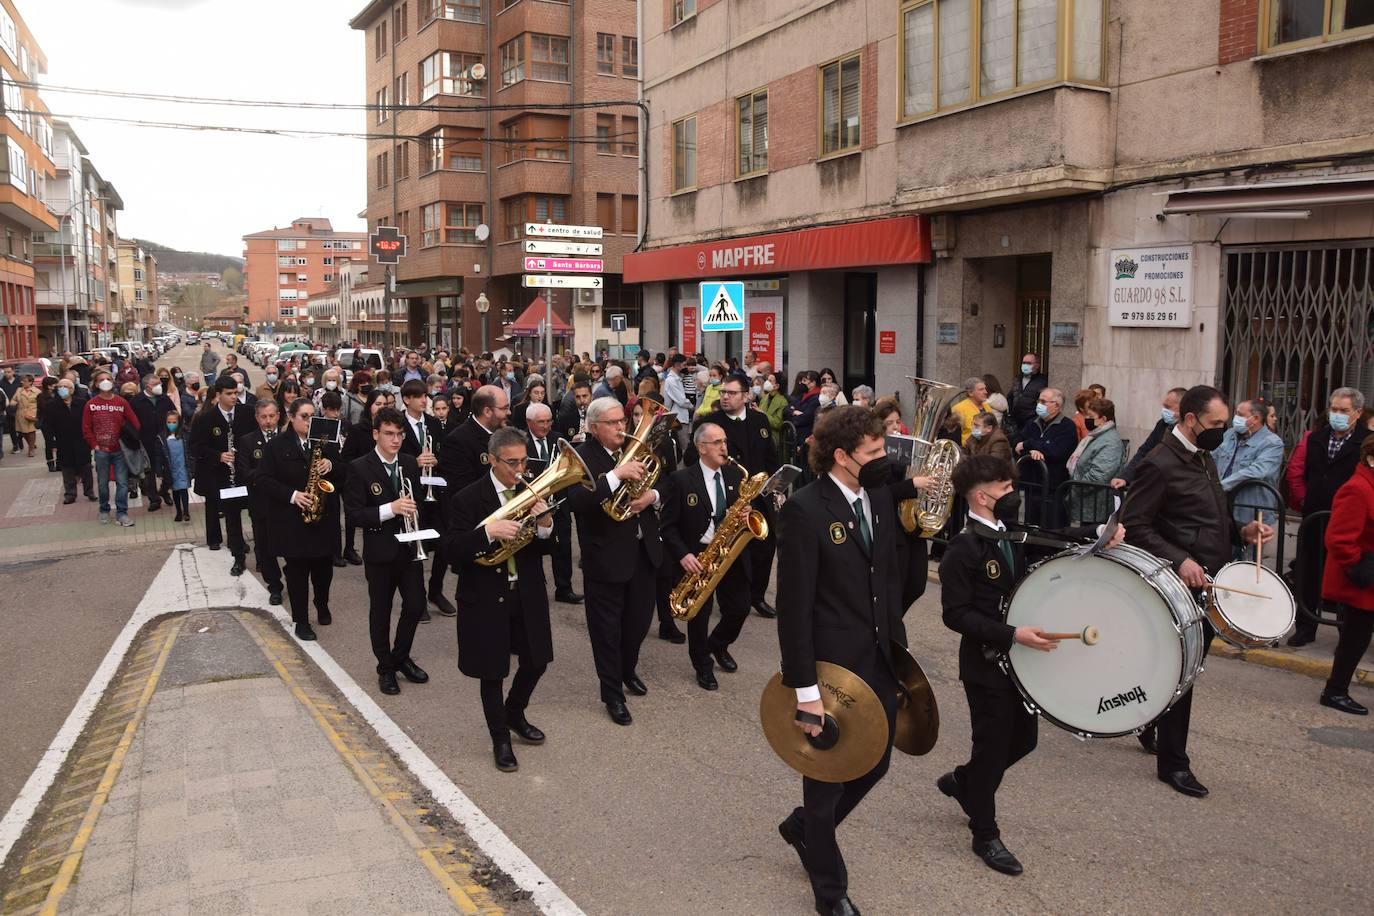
(887, 341)
(763, 335)
(688, 334)
(1151, 287)
(947, 333)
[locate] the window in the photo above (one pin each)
(753, 132)
(382, 170)
(286, 244)
(533, 208)
(605, 211)
(400, 21)
(329, 278)
(683, 9)
(138, 295)
(513, 61)
(138, 274)
(379, 39)
(1017, 46)
(300, 278)
(461, 226)
(1299, 22)
(383, 105)
(605, 127)
(283, 279)
(685, 154)
(453, 149)
(549, 58)
(840, 106)
(629, 136)
(629, 214)
(300, 262)
(402, 160)
(605, 53)
(457, 10)
(629, 55)
(328, 262)
(536, 136)
(403, 223)
(446, 72)
(402, 89)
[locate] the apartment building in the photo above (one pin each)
(1143, 194)
(138, 289)
(284, 267)
(515, 121)
(25, 168)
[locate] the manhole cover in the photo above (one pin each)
(1339, 736)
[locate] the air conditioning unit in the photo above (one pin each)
(589, 298)
(476, 72)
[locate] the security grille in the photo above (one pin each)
(1299, 322)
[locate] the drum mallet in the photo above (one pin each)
(1089, 635)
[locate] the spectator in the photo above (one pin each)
(828, 376)
(102, 424)
(411, 369)
(1080, 404)
(151, 407)
(890, 414)
(1250, 454)
(1168, 416)
(1098, 390)
(64, 416)
(1025, 391)
(987, 438)
(45, 394)
(771, 401)
(708, 380)
(862, 396)
(25, 402)
(1097, 460)
(675, 398)
(644, 368)
(997, 406)
(829, 392)
(534, 394)
(994, 386)
(9, 384)
(1049, 437)
(1348, 579)
(209, 364)
(648, 388)
(1293, 474)
(801, 410)
(176, 458)
(975, 396)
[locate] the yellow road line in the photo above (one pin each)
(460, 897)
(65, 874)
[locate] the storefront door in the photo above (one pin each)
(860, 306)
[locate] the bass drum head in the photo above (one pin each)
(1253, 621)
(1124, 681)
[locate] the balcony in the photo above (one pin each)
(26, 210)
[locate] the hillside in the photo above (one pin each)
(172, 261)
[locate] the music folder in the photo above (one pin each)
(424, 534)
(323, 429)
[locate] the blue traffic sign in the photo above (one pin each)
(722, 306)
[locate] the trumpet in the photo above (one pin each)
(409, 522)
(429, 487)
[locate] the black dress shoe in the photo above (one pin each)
(567, 596)
(91, 497)
(340, 562)
(1298, 640)
(352, 557)
(505, 757)
(1344, 703)
(725, 660)
(304, 632)
(412, 672)
(1148, 741)
(764, 609)
(997, 857)
(68, 500)
(795, 840)
(177, 519)
(238, 567)
(214, 546)
(842, 907)
(424, 616)
(635, 685)
(1185, 782)
(706, 679)
(443, 605)
(517, 723)
(323, 616)
(619, 713)
(949, 785)
(153, 507)
(671, 634)
(386, 682)
(274, 597)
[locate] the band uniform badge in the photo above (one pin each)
(763, 433)
(485, 459)
(837, 533)
(218, 431)
(376, 489)
(257, 454)
(691, 499)
(994, 570)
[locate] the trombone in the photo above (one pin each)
(410, 523)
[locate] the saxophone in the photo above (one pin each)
(934, 457)
(741, 524)
(316, 487)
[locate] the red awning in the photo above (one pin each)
(898, 240)
(527, 325)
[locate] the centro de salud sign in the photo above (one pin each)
(1151, 287)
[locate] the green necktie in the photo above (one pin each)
(1009, 556)
(510, 561)
(720, 500)
(863, 524)
(395, 477)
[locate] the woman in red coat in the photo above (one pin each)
(1349, 577)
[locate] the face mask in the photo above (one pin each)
(826, 400)
(195, 386)
(977, 432)
(157, 390)
(106, 385)
(1238, 423)
(715, 382)
(876, 473)
(1339, 421)
(1026, 368)
(330, 386)
(510, 376)
(769, 387)
(1210, 439)
(433, 391)
(756, 391)
(1090, 424)
(172, 425)
(1042, 411)
(63, 392)
(1168, 416)
(310, 380)
(1007, 507)
(271, 378)
(178, 377)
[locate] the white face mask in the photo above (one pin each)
(106, 385)
(157, 390)
(826, 400)
(769, 386)
(331, 385)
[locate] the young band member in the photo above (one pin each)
(501, 609)
(1177, 510)
(618, 558)
(307, 548)
(977, 574)
(374, 502)
(423, 433)
(250, 451)
(699, 496)
(212, 431)
(541, 446)
(839, 600)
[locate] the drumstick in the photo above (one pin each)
(1089, 635)
(1238, 591)
(1259, 552)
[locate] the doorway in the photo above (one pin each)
(1032, 311)
(860, 315)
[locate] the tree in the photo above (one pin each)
(195, 299)
(232, 278)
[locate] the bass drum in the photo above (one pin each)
(1148, 648)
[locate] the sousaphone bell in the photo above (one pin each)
(853, 737)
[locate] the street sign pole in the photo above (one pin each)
(386, 318)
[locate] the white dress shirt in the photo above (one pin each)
(384, 512)
(709, 476)
(1178, 434)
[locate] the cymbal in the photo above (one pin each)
(855, 722)
(918, 716)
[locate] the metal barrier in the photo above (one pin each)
(787, 443)
(1086, 503)
(1308, 566)
(1046, 514)
(1279, 507)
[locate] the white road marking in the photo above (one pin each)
(194, 579)
(39, 497)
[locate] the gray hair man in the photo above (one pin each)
(862, 396)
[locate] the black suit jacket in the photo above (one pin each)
(368, 488)
(463, 455)
(247, 460)
(210, 436)
(569, 421)
(1325, 475)
(837, 600)
(608, 546)
(433, 429)
(1176, 508)
(535, 466)
(284, 468)
(750, 440)
(687, 513)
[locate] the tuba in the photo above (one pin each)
(641, 445)
(932, 457)
(316, 487)
(742, 523)
(566, 469)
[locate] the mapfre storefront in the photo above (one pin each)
(844, 297)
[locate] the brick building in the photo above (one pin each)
(284, 267)
(462, 177)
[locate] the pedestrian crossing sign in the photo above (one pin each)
(722, 306)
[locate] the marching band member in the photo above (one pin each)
(212, 430)
(307, 548)
(618, 559)
(250, 451)
(839, 600)
(501, 609)
(1177, 510)
(374, 501)
(541, 445)
(700, 496)
(463, 456)
(423, 434)
(572, 418)
(977, 574)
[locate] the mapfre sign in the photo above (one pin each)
(744, 256)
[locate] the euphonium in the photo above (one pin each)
(741, 524)
(933, 457)
(641, 445)
(567, 469)
(316, 487)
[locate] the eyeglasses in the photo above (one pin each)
(512, 463)
(713, 442)
(617, 422)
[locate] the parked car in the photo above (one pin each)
(37, 366)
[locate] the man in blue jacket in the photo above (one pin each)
(1050, 437)
(1249, 454)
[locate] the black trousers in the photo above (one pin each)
(1357, 625)
(181, 499)
(759, 556)
(663, 589)
(1171, 729)
(618, 617)
(433, 515)
(148, 485)
(498, 711)
(70, 476)
(825, 805)
(1307, 567)
(302, 574)
(733, 595)
(560, 553)
(1003, 733)
(233, 522)
(406, 575)
(263, 558)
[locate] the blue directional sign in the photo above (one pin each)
(722, 306)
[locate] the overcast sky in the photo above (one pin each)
(204, 191)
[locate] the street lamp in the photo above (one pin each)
(483, 305)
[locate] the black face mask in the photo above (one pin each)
(1090, 424)
(1008, 507)
(1209, 440)
(877, 473)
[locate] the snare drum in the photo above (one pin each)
(1149, 648)
(1245, 621)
